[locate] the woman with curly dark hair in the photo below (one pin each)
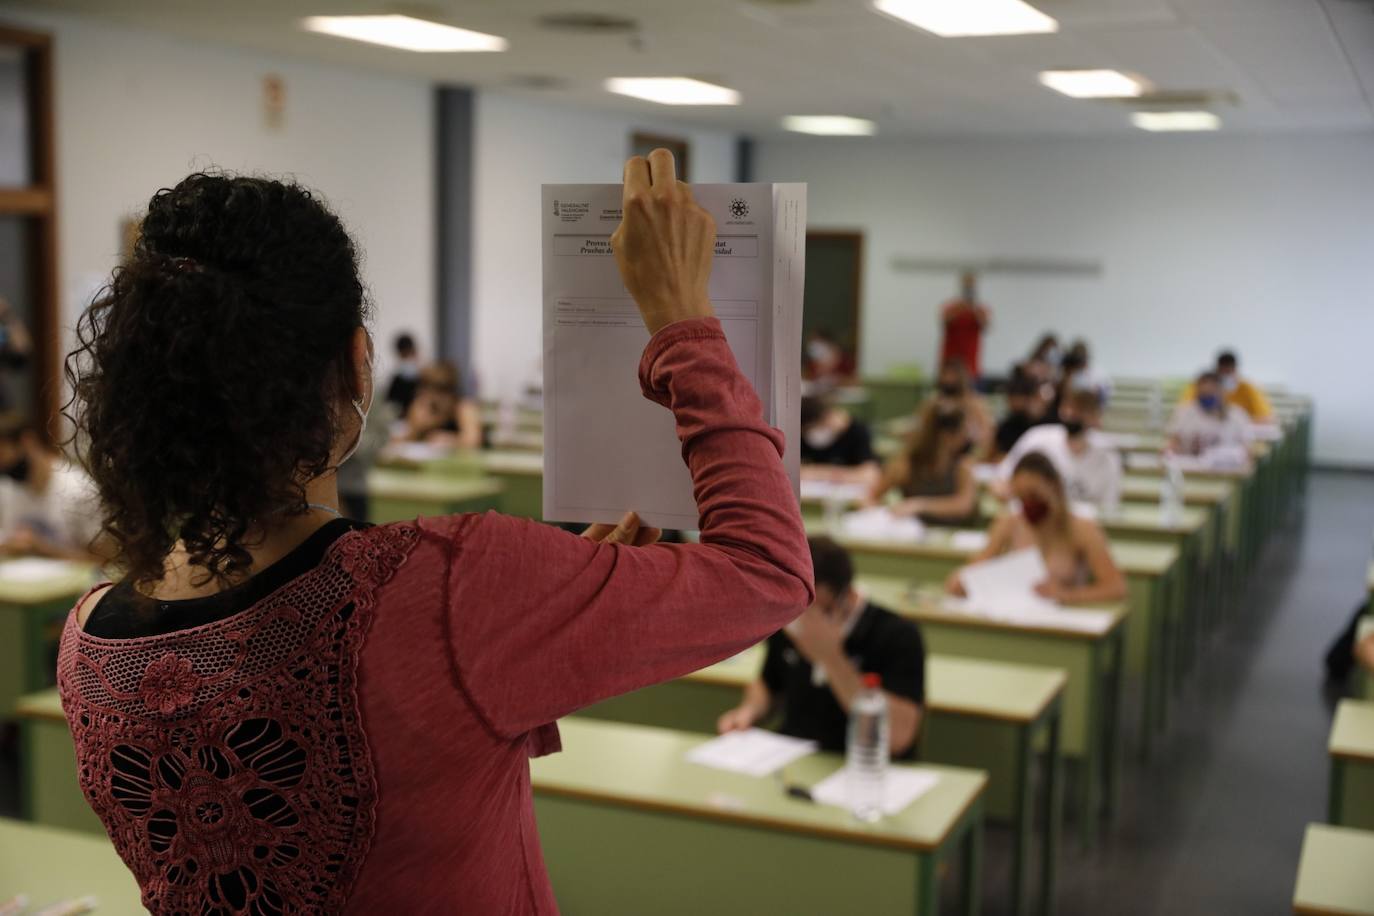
(279, 710)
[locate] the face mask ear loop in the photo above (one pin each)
(362, 415)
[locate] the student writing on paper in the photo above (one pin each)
(933, 475)
(440, 413)
(1207, 422)
(47, 504)
(814, 668)
(279, 709)
(1026, 408)
(1075, 550)
(834, 446)
(1088, 462)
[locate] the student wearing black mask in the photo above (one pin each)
(933, 474)
(814, 668)
(1089, 463)
(834, 446)
(1025, 408)
(1075, 549)
(954, 391)
(47, 505)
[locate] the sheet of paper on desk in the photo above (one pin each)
(1005, 585)
(901, 787)
(971, 541)
(878, 524)
(595, 416)
(753, 752)
(827, 490)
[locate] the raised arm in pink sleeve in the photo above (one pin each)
(543, 622)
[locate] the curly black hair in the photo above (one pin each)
(208, 372)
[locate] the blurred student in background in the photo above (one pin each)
(934, 474)
(1076, 553)
(814, 668)
(1089, 464)
(835, 446)
(1205, 422)
(964, 319)
(1237, 391)
(16, 346)
(440, 414)
(954, 391)
(826, 364)
(406, 379)
(1025, 408)
(1046, 356)
(48, 505)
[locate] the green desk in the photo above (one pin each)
(979, 714)
(51, 866)
(1092, 661)
(1155, 600)
(1351, 746)
(1364, 680)
(521, 475)
(1334, 874)
(398, 495)
(48, 790)
(32, 612)
(622, 815)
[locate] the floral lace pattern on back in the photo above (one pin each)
(227, 761)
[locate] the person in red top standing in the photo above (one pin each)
(278, 710)
(964, 320)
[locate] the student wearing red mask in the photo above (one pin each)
(1080, 564)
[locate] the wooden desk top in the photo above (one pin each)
(1334, 874)
(51, 866)
(1352, 732)
(385, 483)
(637, 766)
(44, 706)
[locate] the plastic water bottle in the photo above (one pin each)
(1171, 497)
(866, 751)
(834, 512)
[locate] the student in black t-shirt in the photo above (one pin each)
(1025, 408)
(835, 446)
(815, 667)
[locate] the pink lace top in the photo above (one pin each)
(358, 740)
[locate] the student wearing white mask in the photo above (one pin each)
(835, 446)
(825, 363)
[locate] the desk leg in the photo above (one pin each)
(973, 862)
(1023, 817)
(1334, 800)
(1112, 715)
(928, 897)
(1053, 813)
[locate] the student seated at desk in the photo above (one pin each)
(835, 446)
(1025, 409)
(954, 391)
(815, 667)
(439, 412)
(1238, 392)
(1080, 564)
(1089, 465)
(48, 505)
(1207, 422)
(934, 473)
(1364, 653)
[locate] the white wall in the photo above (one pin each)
(519, 145)
(139, 110)
(1265, 244)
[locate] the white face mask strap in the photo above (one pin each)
(362, 413)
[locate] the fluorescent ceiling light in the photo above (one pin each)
(830, 125)
(405, 33)
(1092, 84)
(957, 18)
(672, 90)
(1176, 120)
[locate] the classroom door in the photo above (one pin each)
(834, 274)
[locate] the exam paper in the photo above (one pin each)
(828, 491)
(753, 752)
(901, 787)
(35, 569)
(1005, 585)
(1052, 616)
(972, 541)
(878, 524)
(606, 448)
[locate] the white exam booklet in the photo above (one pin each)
(753, 752)
(901, 786)
(1006, 584)
(607, 449)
